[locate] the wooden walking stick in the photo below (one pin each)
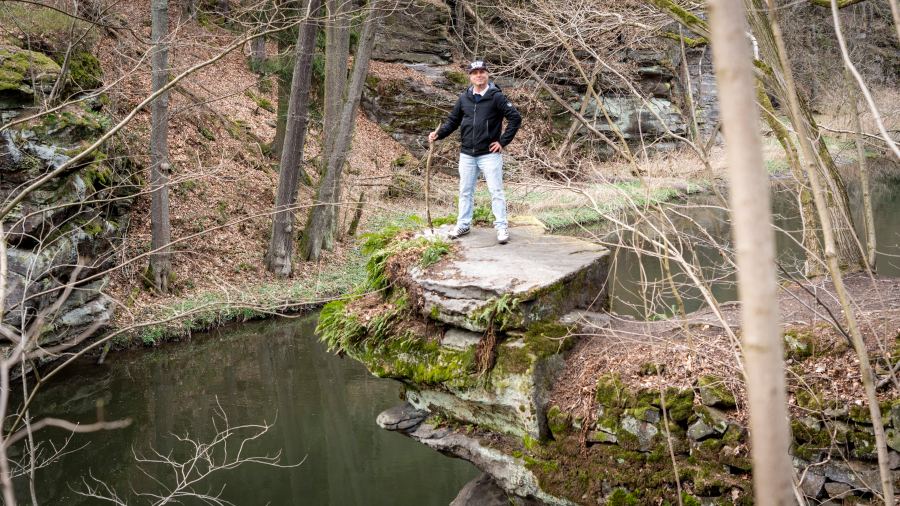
(428, 185)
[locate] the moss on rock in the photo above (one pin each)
(84, 71)
(713, 392)
(24, 73)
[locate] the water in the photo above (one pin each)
(703, 224)
(323, 409)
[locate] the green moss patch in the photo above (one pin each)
(84, 71)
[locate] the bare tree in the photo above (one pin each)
(161, 261)
(755, 248)
(257, 53)
(225, 450)
(832, 255)
(337, 51)
(771, 73)
(281, 244)
(320, 219)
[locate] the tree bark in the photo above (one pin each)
(284, 98)
(773, 76)
(161, 230)
(755, 250)
(258, 54)
(278, 258)
(337, 51)
(320, 218)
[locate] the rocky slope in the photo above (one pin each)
(66, 230)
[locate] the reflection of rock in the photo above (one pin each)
(484, 491)
(509, 473)
(417, 32)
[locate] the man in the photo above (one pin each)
(479, 114)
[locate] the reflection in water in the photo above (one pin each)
(324, 410)
(636, 288)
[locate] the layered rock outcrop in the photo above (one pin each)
(64, 231)
(476, 336)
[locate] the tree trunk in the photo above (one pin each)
(258, 54)
(773, 76)
(161, 230)
(320, 218)
(357, 215)
(868, 216)
(337, 51)
(284, 97)
(278, 258)
(755, 250)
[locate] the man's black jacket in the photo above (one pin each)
(480, 121)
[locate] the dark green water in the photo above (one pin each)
(323, 409)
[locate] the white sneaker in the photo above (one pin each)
(458, 231)
(502, 235)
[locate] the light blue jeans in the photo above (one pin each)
(491, 165)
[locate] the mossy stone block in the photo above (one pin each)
(714, 392)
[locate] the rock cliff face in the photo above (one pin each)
(425, 38)
(72, 222)
(416, 33)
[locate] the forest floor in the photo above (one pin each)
(675, 352)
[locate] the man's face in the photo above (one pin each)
(478, 78)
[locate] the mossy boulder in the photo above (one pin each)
(799, 345)
(405, 109)
(559, 422)
(393, 341)
(24, 75)
(714, 392)
(85, 72)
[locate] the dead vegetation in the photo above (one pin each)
(675, 352)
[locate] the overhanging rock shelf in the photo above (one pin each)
(425, 328)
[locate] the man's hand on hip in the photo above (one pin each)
(495, 147)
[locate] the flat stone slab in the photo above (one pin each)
(459, 339)
(549, 274)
